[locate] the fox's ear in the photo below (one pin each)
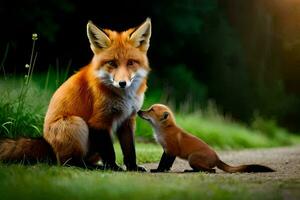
(141, 35)
(164, 116)
(98, 38)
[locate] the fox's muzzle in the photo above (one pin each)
(122, 84)
(141, 114)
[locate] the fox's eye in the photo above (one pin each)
(130, 62)
(112, 63)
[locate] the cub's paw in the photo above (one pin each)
(113, 167)
(117, 168)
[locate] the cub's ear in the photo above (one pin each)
(141, 35)
(98, 38)
(164, 116)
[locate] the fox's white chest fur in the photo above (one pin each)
(159, 138)
(125, 107)
(128, 103)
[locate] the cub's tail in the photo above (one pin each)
(243, 168)
(25, 150)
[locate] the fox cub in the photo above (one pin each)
(177, 142)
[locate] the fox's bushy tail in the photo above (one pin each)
(243, 168)
(25, 149)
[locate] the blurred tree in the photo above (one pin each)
(269, 34)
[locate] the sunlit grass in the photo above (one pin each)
(146, 153)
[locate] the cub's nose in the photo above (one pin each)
(122, 84)
(139, 112)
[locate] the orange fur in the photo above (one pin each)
(25, 149)
(87, 100)
(84, 101)
(177, 142)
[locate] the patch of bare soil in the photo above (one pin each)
(284, 160)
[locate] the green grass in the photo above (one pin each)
(146, 153)
(25, 117)
(53, 182)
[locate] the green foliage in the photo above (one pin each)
(21, 117)
(271, 129)
(182, 89)
(14, 114)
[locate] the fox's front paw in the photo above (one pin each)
(137, 168)
(113, 167)
(116, 168)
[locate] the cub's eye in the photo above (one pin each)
(130, 62)
(112, 63)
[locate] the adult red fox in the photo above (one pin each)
(177, 142)
(102, 97)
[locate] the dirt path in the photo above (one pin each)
(285, 160)
(285, 182)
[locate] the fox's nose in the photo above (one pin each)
(122, 84)
(139, 112)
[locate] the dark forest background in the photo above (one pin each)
(243, 55)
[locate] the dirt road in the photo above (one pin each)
(285, 160)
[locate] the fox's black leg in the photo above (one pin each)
(125, 135)
(165, 163)
(101, 142)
